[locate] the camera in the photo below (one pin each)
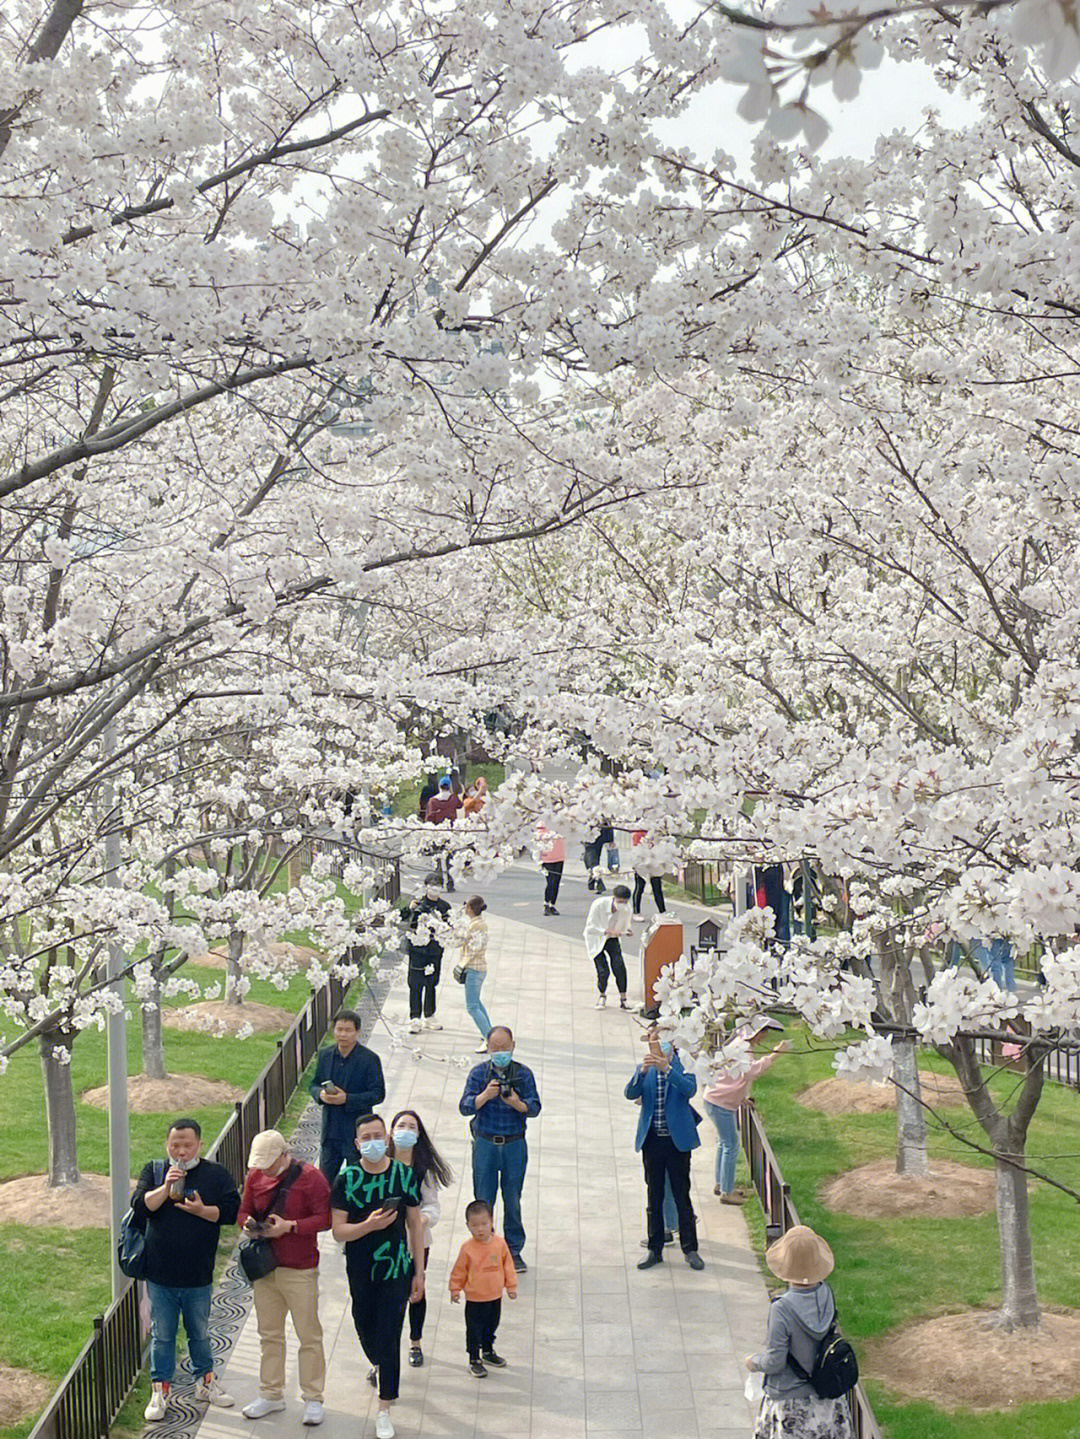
(506, 1078)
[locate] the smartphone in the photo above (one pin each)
(654, 1048)
(395, 1201)
(328, 1086)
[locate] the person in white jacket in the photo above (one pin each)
(413, 1146)
(609, 919)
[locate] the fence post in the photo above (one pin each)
(101, 1394)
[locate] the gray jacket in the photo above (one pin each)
(798, 1321)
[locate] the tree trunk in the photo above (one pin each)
(233, 993)
(912, 1154)
(153, 1037)
(1020, 1302)
(59, 1109)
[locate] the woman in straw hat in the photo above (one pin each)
(798, 1321)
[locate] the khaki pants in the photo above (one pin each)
(295, 1292)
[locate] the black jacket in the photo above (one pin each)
(360, 1076)
(181, 1247)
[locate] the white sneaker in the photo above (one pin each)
(432, 1024)
(313, 1412)
(384, 1425)
(601, 1001)
(159, 1403)
(481, 1048)
(211, 1392)
(414, 1026)
(259, 1408)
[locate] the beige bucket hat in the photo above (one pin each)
(800, 1257)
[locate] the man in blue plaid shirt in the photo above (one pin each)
(500, 1096)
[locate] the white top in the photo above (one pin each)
(430, 1210)
(604, 921)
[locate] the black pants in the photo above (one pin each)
(612, 950)
(663, 1160)
(592, 854)
(422, 986)
(481, 1323)
(554, 876)
(332, 1154)
(378, 1311)
(657, 893)
(418, 1311)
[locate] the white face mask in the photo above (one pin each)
(185, 1164)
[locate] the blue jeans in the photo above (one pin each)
(167, 1307)
(492, 1163)
(996, 959)
(727, 1151)
(474, 982)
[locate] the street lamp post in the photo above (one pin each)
(116, 1039)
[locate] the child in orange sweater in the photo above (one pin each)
(484, 1268)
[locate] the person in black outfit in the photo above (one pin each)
(348, 1081)
(594, 848)
(425, 954)
(375, 1209)
(429, 791)
(182, 1201)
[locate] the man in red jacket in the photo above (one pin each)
(442, 809)
(291, 1201)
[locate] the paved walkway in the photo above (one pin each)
(595, 1350)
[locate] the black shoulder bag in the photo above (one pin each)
(836, 1370)
(256, 1255)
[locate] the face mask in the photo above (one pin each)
(502, 1057)
(373, 1148)
(431, 892)
(666, 1046)
(185, 1164)
(405, 1138)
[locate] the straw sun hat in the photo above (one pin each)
(800, 1257)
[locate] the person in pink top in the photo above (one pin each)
(726, 1097)
(552, 859)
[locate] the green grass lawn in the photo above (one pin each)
(56, 1280)
(889, 1272)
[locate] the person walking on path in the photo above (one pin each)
(552, 859)
(476, 796)
(645, 869)
(348, 1081)
(607, 921)
(429, 791)
(798, 1321)
(425, 952)
(443, 809)
(666, 1135)
(500, 1096)
(473, 961)
(376, 1215)
(413, 1147)
(290, 1200)
(594, 849)
(483, 1269)
(726, 1097)
(181, 1202)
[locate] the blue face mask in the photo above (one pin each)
(502, 1057)
(373, 1148)
(405, 1138)
(666, 1046)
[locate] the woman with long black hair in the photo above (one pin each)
(413, 1146)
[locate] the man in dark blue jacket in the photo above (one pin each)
(348, 1082)
(666, 1135)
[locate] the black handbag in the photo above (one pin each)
(131, 1243)
(256, 1256)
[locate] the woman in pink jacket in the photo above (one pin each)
(727, 1096)
(552, 859)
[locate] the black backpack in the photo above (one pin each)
(131, 1245)
(836, 1370)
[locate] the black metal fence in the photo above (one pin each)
(104, 1374)
(780, 1216)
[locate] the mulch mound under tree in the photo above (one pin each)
(29, 1200)
(176, 1094)
(296, 958)
(962, 1361)
(876, 1191)
(22, 1394)
(214, 1016)
(845, 1096)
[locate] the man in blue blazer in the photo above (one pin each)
(667, 1132)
